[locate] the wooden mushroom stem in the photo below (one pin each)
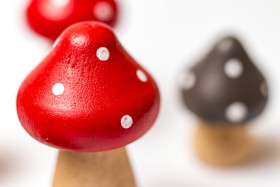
(221, 144)
(100, 169)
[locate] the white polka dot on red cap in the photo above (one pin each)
(126, 121)
(141, 75)
(103, 11)
(58, 89)
(103, 54)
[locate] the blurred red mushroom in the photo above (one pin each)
(50, 17)
(89, 95)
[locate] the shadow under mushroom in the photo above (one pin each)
(266, 151)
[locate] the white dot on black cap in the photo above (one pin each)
(188, 80)
(236, 112)
(264, 89)
(233, 68)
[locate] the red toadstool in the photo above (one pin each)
(50, 17)
(88, 95)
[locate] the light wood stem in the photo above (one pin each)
(101, 169)
(223, 145)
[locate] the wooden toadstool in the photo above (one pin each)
(225, 90)
(89, 98)
(50, 17)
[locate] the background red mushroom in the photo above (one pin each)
(50, 17)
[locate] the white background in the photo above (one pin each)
(164, 36)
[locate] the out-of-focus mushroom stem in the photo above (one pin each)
(222, 145)
(101, 169)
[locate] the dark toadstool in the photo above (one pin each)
(50, 17)
(89, 95)
(225, 90)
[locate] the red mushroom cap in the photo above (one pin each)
(50, 17)
(88, 94)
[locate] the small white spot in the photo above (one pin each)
(58, 89)
(187, 80)
(225, 45)
(126, 121)
(264, 89)
(103, 11)
(59, 3)
(103, 53)
(141, 75)
(236, 112)
(233, 68)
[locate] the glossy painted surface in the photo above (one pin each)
(74, 101)
(50, 17)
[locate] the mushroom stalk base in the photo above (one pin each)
(101, 169)
(222, 145)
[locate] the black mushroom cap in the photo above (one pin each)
(225, 87)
